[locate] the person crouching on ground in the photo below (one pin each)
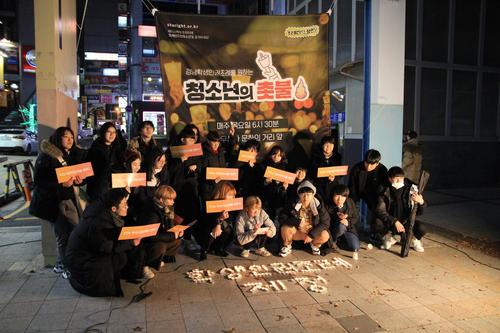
(215, 230)
(162, 247)
(344, 217)
(95, 256)
(248, 228)
(306, 220)
(394, 209)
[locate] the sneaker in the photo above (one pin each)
(315, 250)
(162, 264)
(245, 253)
(58, 268)
(147, 273)
(355, 256)
(286, 250)
(416, 244)
(65, 274)
(389, 241)
(263, 252)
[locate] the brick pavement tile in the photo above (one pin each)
(330, 327)
(451, 311)
(312, 314)
(371, 305)
(35, 289)
(234, 306)
(85, 319)
(296, 298)
(58, 306)
(163, 311)
(371, 282)
(393, 320)
(343, 308)
(87, 304)
(15, 325)
(133, 313)
(422, 315)
(164, 326)
(264, 302)
(201, 308)
(52, 322)
(203, 324)
(399, 300)
(294, 328)
(241, 322)
(61, 290)
(476, 325)
(276, 317)
(357, 324)
(445, 327)
(14, 310)
(495, 320)
(8, 288)
(128, 327)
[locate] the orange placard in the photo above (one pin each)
(83, 170)
(141, 231)
(333, 171)
(128, 179)
(247, 156)
(186, 150)
(178, 228)
(280, 175)
(222, 173)
(217, 206)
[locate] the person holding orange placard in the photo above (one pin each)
(162, 247)
(326, 156)
(213, 157)
(250, 173)
(95, 256)
(105, 155)
(214, 230)
(144, 143)
(54, 202)
(274, 192)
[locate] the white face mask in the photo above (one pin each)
(397, 186)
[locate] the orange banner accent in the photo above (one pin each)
(222, 173)
(247, 156)
(186, 150)
(333, 171)
(141, 231)
(128, 179)
(280, 175)
(217, 206)
(83, 170)
(178, 228)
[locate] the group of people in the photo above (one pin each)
(319, 214)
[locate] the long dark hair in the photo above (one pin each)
(56, 137)
(104, 128)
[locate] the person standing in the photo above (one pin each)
(412, 156)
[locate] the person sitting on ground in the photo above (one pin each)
(248, 228)
(214, 231)
(162, 247)
(306, 220)
(394, 209)
(95, 256)
(344, 217)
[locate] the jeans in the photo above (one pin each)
(350, 239)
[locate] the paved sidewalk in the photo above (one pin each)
(441, 290)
